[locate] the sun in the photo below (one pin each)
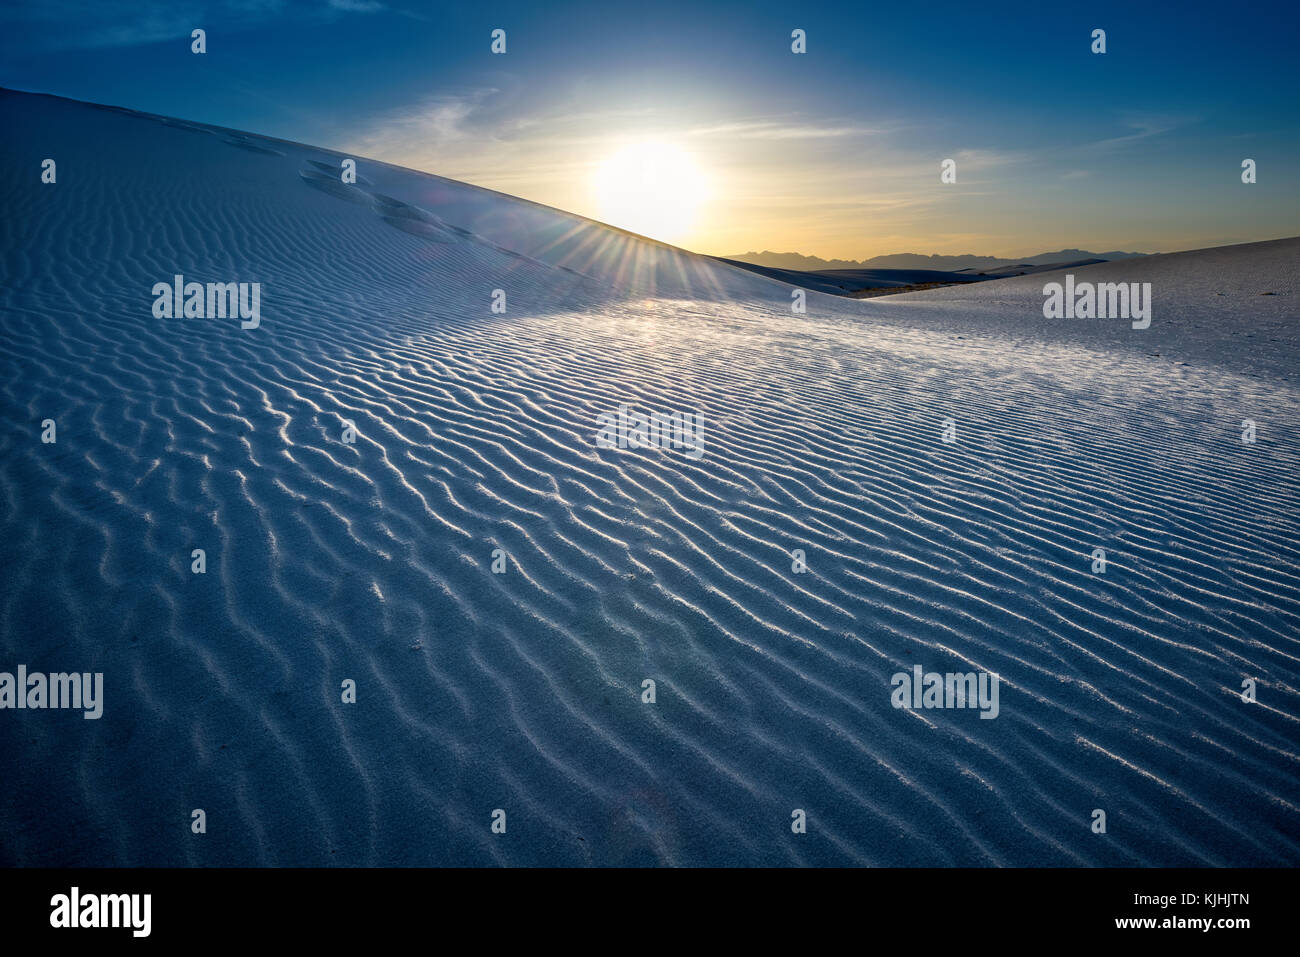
(652, 188)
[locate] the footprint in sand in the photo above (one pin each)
(244, 143)
(409, 219)
(182, 125)
(330, 183)
(335, 170)
(414, 220)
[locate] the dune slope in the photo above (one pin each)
(372, 561)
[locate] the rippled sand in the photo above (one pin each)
(476, 431)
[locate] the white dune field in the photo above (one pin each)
(476, 431)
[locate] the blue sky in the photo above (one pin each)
(835, 152)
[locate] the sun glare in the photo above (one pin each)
(651, 188)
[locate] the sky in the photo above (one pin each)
(835, 152)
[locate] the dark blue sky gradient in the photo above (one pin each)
(1209, 82)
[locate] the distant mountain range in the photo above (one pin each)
(919, 261)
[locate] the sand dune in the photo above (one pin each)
(476, 431)
(1233, 307)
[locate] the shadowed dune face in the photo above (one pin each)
(476, 431)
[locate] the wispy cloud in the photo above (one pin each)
(490, 127)
(70, 25)
(449, 134)
(772, 130)
(356, 6)
(1143, 127)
